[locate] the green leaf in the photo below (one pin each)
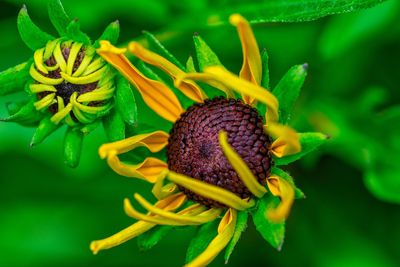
(383, 181)
(32, 36)
(74, 32)
(265, 69)
(157, 47)
(58, 17)
(190, 65)
(88, 128)
(273, 233)
(205, 56)
(150, 238)
(26, 114)
(288, 89)
(241, 225)
(114, 126)
(14, 78)
(288, 10)
(281, 173)
(111, 33)
(125, 101)
(45, 128)
(309, 142)
(199, 243)
(72, 146)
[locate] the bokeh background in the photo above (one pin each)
(49, 213)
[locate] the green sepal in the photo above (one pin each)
(273, 233)
(14, 78)
(125, 101)
(190, 68)
(281, 173)
(32, 36)
(205, 56)
(309, 142)
(111, 33)
(150, 238)
(45, 128)
(58, 17)
(73, 140)
(157, 47)
(114, 126)
(88, 128)
(241, 225)
(199, 243)
(25, 114)
(74, 33)
(288, 89)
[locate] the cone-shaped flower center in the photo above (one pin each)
(194, 150)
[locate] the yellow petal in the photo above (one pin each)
(43, 79)
(188, 88)
(287, 140)
(45, 101)
(58, 56)
(252, 67)
(91, 78)
(154, 141)
(210, 191)
(156, 95)
(38, 58)
(149, 170)
(284, 190)
(159, 190)
(38, 88)
(61, 114)
(226, 230)
(89, 54)
(241, 167)
(73, 53)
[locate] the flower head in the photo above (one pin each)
(222, 153)
(68, 83)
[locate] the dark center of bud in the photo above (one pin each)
(194, 150)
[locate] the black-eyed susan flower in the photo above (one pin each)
(222, 155)
(68, 83)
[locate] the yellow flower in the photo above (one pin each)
(222, 143)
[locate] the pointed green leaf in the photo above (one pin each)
(58, 17)
(199, 243)
(205, 56)
(26, 113)
(15, 78)
(150, 238)
(114, 126)
(125, 101)
(45, 128)
(74, 32)
(273, 233)
(309, 142)
(288, 89)
(111, 33)
(72, 147)
(190, 65)
(241, 225)
(281, 173)
(32, 36)
(157, 47)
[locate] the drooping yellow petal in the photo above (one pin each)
(241, 167)
(284, 190)
(252, 66)
(218, 74)
(149, 170)
(43, 79)
(38, 88)
(188, 88)
(45, 101)
(287, 139)
(61, 114)
(73, 53)
(58, 56)
(38, 58)
(211, 191)
(91, 78)
(226, 230)
(157, 96)
(154, 141)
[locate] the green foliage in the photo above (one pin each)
(111, 33)
(72, 146)
(14, 78)
(205, 56)
(150, 238)
(241, 225)
(114, 126)
(25, 114)
(74, 32)
(199, 243)
(125, 101)
(58, 17)
(273, 233)
(45, 128)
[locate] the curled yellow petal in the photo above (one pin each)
(58, 56)
(93, 66)
(154, 141)
(241, 167)
(61, 114)
(91, 78)
(284, 190)
(149, 170)
(73, 53)
(89, 54)
(188, 88)
(45, 101)
(211, 191)
(251, 67)
(160, 190)
(43, 79)
(226, 230)
(38, 58)
(287, 140)
(157, 96)
(38, 88)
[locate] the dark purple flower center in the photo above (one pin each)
(194, 150)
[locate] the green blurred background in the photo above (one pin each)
(351, 217)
